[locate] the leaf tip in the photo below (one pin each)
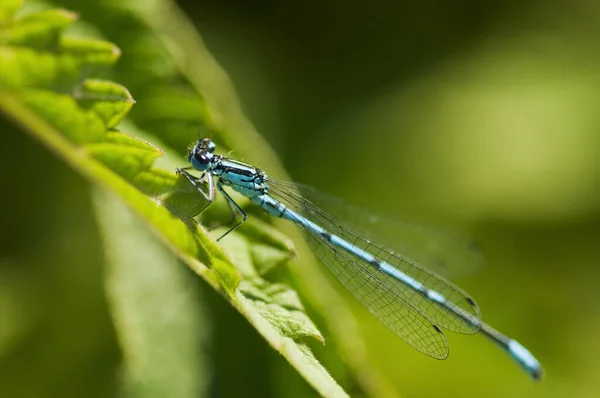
(319, 337)
(70, 15)
(116, 51)
(128, 97)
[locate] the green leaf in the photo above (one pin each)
(39, 30)
(51, 86)
(8, 8)
(181, 52)
(138, 283)
(110, 101)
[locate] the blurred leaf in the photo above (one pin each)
(7, 10)
(159, 318)
(50, 87)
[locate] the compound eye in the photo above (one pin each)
(202, 157)
(208, 144)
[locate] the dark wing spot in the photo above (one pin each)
(470, 301)
(437, 328)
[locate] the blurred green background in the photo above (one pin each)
(479, 115)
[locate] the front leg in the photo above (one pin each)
(197, 183)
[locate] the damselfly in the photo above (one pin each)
(410, 300)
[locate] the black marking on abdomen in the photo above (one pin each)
(275, 206)
(282, 211)
(376, 263)
(326, 235)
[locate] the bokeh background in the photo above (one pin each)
(478, 115)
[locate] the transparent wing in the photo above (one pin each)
(446, 252)
(373, 290)
(459, 314)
